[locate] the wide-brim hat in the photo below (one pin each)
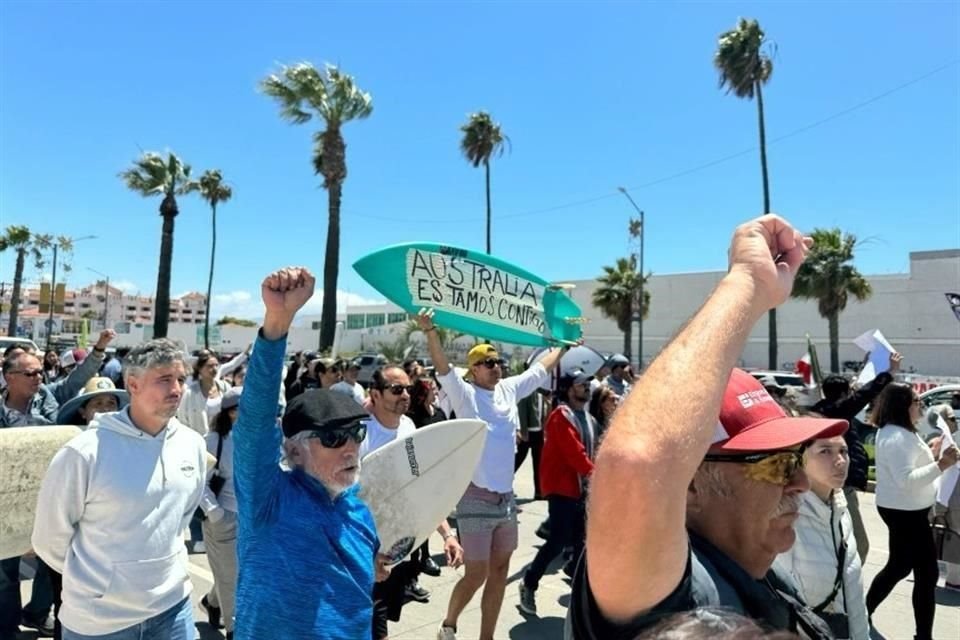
(95, 387)
(751, 420)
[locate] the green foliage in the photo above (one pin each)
(152, 175)
(828, 275)
(618, 295)
(482, 139)
(240, 322)
(740, 59)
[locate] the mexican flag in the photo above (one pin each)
(809, 366)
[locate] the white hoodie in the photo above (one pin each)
(110, 514)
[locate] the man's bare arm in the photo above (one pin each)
(660, 435)
(440, 362)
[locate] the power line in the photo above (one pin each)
(685, 172)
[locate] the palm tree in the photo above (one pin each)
(152, 175)
(828, 277)
(618, 295)
(214, 191)
(21, 240)
(303, 92)
(483, 139)
(744, 69)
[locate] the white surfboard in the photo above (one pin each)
(413, 483)
(25, 454)
(581, 357)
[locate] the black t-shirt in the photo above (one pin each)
(710, 580)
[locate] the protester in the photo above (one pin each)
(949, 512)
(201, 401)
(72, 358)
(27, 402)
(907, 473)
(203, 394)
(824, 560)
(113, 368)
(841, 402)
(349, 384)
(530, 437)
(320, 373)
(307, 543)
(424, 412)
(603, 403)
(711, 624)
(698, 481)
(567, 463)
(389, 402)
(99, 395)
(113, 503)
(52, 371)
(618, 378)
(487, 513)
(219, 504)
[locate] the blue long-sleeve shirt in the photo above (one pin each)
(306, 560)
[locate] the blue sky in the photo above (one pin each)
(593, 96)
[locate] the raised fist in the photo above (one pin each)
(768, 251)
(286, 291)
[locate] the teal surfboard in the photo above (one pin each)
(473, 293)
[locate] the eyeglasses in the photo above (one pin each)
(916, 401)
(397, 389)
(775, 467)
(490, 363)
(36, 373)
(336, 438)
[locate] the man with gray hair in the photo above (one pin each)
(307, 544)
(112, 506)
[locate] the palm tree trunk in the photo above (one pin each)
(834, 323)
(627, 339)
(213, 253)
(331, 267)
(772, 315)
(161, 313)
(486, 165)
(15, 295)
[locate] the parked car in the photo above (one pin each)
(944, 394)
(783, 378)
(9, 341)
(369, 362)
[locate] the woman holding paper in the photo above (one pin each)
(907, 471)
(942, 417)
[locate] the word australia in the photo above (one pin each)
(469, 288)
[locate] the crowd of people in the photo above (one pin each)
(714, 506)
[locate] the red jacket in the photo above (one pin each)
(564, 460)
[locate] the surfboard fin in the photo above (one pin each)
(576, 320)
(561, 286)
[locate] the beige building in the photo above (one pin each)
(101, 305)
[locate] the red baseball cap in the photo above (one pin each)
(751, 420)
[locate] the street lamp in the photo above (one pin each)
(53, 284)
(640, 314)
(106, 297)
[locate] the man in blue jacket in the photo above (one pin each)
(307, 545)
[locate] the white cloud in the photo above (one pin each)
(126, 286)
(244, 304)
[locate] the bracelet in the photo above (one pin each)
(447, 536)
(433, 328)
(98, 349)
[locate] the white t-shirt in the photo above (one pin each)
(498, 408)
(354, 390)
(379, 435)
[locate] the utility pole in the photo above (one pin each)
(53, 283)
(640, 309)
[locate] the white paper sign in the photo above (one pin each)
(948, 481)
(880, 351)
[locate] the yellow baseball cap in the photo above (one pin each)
(480, 353)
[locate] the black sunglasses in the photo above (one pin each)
(398, 389)
(336, 438)
(490, 363)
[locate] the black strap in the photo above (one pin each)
(219, 450)
(841, 561)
